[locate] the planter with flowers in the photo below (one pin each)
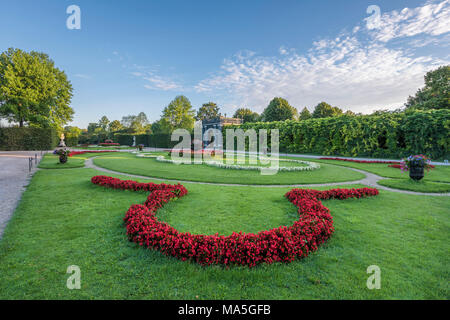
(63, 155)
(416, 166)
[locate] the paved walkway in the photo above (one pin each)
(14, 177)
(370, 180)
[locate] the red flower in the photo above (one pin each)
(282, 244)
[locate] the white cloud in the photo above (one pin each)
(361, 71)
(158, 83)
(433, 19)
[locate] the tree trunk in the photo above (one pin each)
(21, 123)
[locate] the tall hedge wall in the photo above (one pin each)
(13, 139)
(387, 135)
(153, 140)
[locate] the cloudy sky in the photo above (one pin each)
(132, 56)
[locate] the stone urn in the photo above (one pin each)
(416, 170)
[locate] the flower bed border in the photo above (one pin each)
(311, 165)
(282, 244)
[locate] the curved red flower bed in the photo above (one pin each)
(282, 244)
(360, 161)
(74, 153)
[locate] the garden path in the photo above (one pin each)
(14, 177)
(370, 180)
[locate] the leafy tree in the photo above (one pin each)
(324, 110)
(70, 131)
(92, 127)
(436, 92)
(279, 110)
(207, 111)
(135, 124)
(178, 115)
(246, 115)
(305, 114)
(115, 126)
(33, 90)
(103, 123)
(157, 127)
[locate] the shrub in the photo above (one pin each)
(385, 135)
(27, 138)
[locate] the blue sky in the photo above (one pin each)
(132, 56)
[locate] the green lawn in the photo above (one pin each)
(65, 220)
(129, 163)
(419, 186)
(51, 161)
(438, 174)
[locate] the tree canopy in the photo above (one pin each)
(305, 114)
(279, 110)
(324, 110)
(207, 111)
(246, 115)
(436, 92)
(33, 90)
(178, 115)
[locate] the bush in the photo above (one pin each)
(160, 140)
(386, 135)
(27, 138)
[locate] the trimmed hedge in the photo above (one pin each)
(27, 138)
(154, 140)
(386, 135)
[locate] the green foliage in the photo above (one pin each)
(207, 111)
(124, 139)
(178, 115)
(279, 110)
(436, 92)
(324, 110)
(385, 135)
(33, 90)
(103, 123)
(246, 115)
(115, 126)
(136, 124)
(305, 114)
(27, 138)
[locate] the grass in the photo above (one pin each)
(65, 220)
(438, 174)
(51, 161)
(418, 186)
(104, 148)
(129, 163)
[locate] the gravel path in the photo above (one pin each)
(14, 177)
(370, 180)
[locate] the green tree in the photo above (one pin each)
(92, 127)
(279, 110)
(33, 90)
(324, 110)
(115, 126)
(135, 124)
(246, 115)
(436, 92)
(207, 111)
(305, 114)
(178, 115)
(103, 123)
(157, 127)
